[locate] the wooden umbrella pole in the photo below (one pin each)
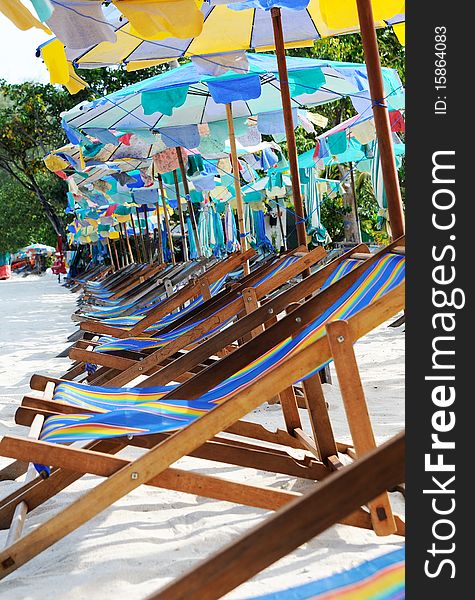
(136, 242)
(129, 247)
(237, 185)
(123, 256)
(110, 255)
(289, 125)
(167, 222)
(114, 245)
(281, 225)
(355, 201)
(148, 243)
(180, 216)
(188, 200)
(123, 245)
(142, 243)
(381, 117)
(161, 258)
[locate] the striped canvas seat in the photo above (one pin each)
(382, 578)
(148, 343)
(156, 415)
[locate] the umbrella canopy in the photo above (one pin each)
(39, 249)
(239, 26)
(127, 151)
(183, 96)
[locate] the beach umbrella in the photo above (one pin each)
(175, 103)
(238, 26)
(40, 249)
(352, 142)
(184, 98)
(337, 18)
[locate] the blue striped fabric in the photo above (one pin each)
(154, 415)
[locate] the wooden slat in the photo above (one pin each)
(292, 526)
(84, 461)
(164, 454)
(21, 509)
(356, 408)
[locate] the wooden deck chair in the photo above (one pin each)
(134, 366)
(207, 319)
(97, 273)
(106, 287)
(313, 397)
(209, 313)
(298, 522)
(185, 294)
(144, 292)
(131, 287)
(156, 297)
(313, 394)
(210, 316)
(153, 467)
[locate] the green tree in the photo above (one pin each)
(30, 128)
(337, 214)
(22, 219)
(28, 131)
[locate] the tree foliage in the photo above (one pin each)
(22, 219)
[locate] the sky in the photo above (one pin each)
(18, 62)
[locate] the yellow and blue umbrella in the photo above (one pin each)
(227, 26)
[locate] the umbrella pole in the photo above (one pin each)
(142, 243)
(110, 255)
(381, 117)
(114, 245)
(122, 253)
(180, 216)
(147, 233)
(237, 185)
(136, 243)
(123, 245)
(289, 125)
(355, 201)
(188, 200)
(129, 247)
(279, 217)
(167, 222)
(161, 258)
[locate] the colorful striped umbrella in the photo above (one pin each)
(239, 26)
(184, 96)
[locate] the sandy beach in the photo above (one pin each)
(152, 536)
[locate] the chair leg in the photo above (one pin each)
(341, 346)
(21, 510)
(319, 418)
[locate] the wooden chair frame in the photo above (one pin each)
(153, 467)
(241, 299)
(293, 525)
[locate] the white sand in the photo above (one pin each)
(152, 536)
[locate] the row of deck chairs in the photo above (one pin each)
(175, 371)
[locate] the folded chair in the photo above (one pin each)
(134, 289)
(137, 363)
(96, 274)
(205, 314)
(117, 327)
(298, 522)
(104, 288)
(197, 287)
(210, 317)
(164, 282)
(150, 415)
